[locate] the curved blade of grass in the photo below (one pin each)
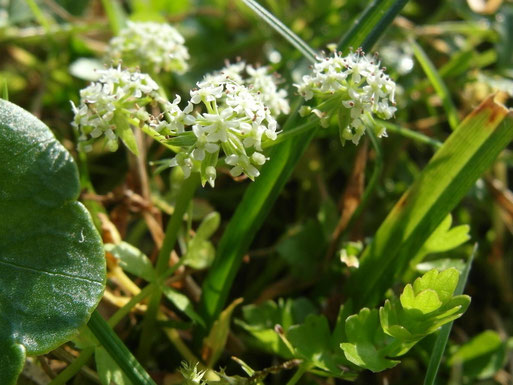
(438, 84)
(452, 171)
(261, 194)
(282, 29)
(443, 336)
(118, 351)
(371, 24)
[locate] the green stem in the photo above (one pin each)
(123, 311)
(182, 203)
(378, 167)
(299, 373)
(39, 15)
(73, 368)
(158, 137)
(407, 133)
(293, 132)
(118, 351)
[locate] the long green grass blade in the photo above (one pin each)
(452, 171)
(438, 84)
(118, 351)
(282, 29)
(371, 24)
(262, 194)
(443, 335)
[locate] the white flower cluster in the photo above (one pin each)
(227, 112)
(154, 47)
(107, 105)
(355, 88)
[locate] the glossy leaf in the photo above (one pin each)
(52, 266)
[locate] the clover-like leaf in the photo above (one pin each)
(52, 265)
(368, 347)
(424, 306)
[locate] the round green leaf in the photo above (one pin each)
(52, 266)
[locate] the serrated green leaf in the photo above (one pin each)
(423, 307)
(444, 283)
(52, 265)
(132, 260)
(426, 301)
(183, 303)
(367, 346)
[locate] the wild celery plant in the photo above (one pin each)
(228, 125)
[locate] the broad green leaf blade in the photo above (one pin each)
(52, 265)
(438, 84)
(372, 24)
(261, 195)
(466, 154)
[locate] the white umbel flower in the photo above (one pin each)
(154, 47)
(355, 87)
(107, 106)
(235, 112)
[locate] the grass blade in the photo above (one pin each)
(371, 24)
(282, 29)
(261, 195)
(452, 171)
(438, 84)
(443, 336)
(118, 351)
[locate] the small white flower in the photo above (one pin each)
(357, 84)
(155, 47)
(117, 95)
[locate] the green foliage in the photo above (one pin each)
(52, 266)
(368, 345)
(481, 357)
(132, 260)
(442, 184)
(424, 307)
